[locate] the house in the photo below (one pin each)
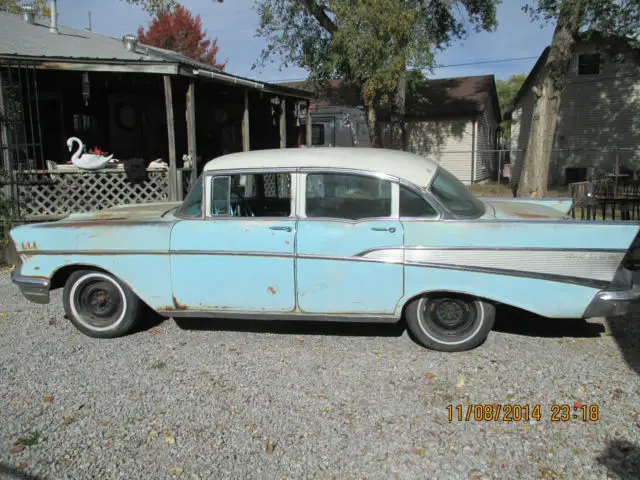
(454, 121)
(598, 122)
(137, 102)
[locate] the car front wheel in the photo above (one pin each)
(99, 305)
(449, 322)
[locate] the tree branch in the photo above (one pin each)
(320, 14)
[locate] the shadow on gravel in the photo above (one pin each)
(15, 474)
(626, 332)
(283, 327)
(521, 322)
(622, 458)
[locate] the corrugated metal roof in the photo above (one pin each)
(18, 37)
(22, 39)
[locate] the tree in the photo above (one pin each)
(507, 90)
(614, 19)
(13, 6)
(179, 31)
(370, 44)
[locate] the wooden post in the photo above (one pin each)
(283, 123)
(171, 133)
(191, 131)
(245, 122)
(308, 125)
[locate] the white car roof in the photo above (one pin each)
(408, 166)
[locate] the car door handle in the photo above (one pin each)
(384, 229)
(281, 227)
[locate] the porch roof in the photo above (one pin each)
(80, 49)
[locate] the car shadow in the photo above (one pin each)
(289, 327)
(520, 322)
(626, 332)
(14, 474)
(622, 459)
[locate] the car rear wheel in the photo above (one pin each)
(99, 305)
(449, 322)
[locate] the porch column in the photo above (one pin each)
(245, 122)
(308, 125)
(191, 130)
(283, 123)
(171, 133)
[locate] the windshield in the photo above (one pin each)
(192, 204)
(453, 194)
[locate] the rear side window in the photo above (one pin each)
(347, 196)
(413, 205)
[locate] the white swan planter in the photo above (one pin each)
(87, 161)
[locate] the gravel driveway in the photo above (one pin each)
(250, 400)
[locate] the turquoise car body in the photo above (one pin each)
(523, 253)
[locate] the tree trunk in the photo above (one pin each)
(374, 128)
(534, 178)
(398, 134)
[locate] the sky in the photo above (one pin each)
(234, 23)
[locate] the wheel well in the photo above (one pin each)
(453, 293)
(61, 275)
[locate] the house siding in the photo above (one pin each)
(446, 141)
(598, 120)
(486, 157)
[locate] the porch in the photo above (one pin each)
(176, 117)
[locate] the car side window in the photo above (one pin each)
(347, 196)
(413, 205)
(251, 195)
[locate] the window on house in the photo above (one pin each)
(347, 196)
(413, 205)
(317, 134)
(588, 64)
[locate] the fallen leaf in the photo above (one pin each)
(21, 466)
(175, 471)
(418, 451)
(17, 448)
(68, 420)
(170, 440)
(430, 376)
(252, 427)
(299, 342)
(153, 434)
(155, 331)
(460, 382)
(3, 315)
(418, 420)
(580, 390)
(577, 404)
(47, 398)
(270, 448)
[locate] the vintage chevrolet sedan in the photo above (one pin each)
(367, 235)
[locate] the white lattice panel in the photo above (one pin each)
(60, 193)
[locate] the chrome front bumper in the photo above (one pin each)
(35, 289)
(612, 303)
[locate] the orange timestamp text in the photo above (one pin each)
(497, 412)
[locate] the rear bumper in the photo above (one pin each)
(35, 289)
(612, 303)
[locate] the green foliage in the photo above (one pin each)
(613, 17)
(370, 43)
(507, 89)
(14, 6)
